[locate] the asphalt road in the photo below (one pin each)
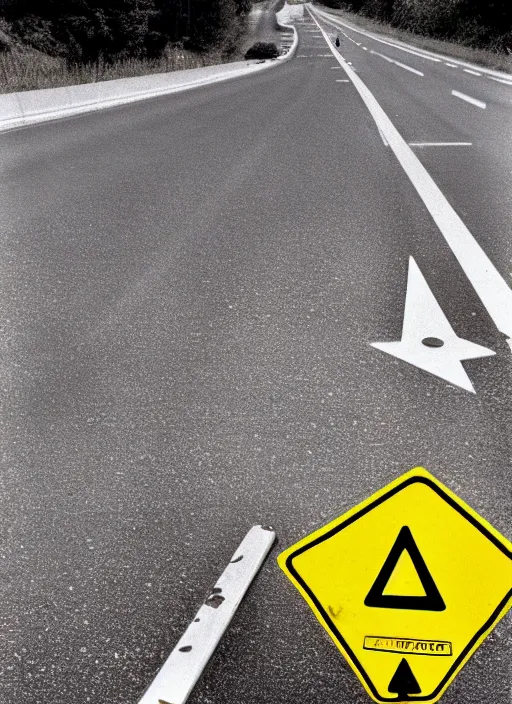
(190, 287)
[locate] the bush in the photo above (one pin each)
(262, 50)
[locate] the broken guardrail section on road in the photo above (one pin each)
(184, 666)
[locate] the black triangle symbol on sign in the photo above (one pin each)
(432, 601)
(403, 681)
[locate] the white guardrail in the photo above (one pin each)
(34, 106)
(184, 666)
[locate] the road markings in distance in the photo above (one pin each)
(501, 80)
(398, 63)
(440, 144)
(473, 73)
(469, 99)
(336, 23)
(428, 340)
(489, 285)
(186, 663)
(329, 19)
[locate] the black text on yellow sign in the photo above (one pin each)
(408, 585)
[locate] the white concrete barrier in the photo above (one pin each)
(34, 106)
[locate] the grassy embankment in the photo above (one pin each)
(24, 68)
(483, 57)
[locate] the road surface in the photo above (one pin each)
(190, 289)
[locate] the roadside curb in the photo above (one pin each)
(26, 108)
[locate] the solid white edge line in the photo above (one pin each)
(501, 80)
(393, 61)
(424, 53)
(490, 286)
(469, 99)
(383, 137)
(184, 666)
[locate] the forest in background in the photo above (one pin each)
(49, 43)
(485, 24)
(107, 31)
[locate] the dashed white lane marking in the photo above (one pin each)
(501, 80)
(469, 99)
(342, 80)
(440, 144)
(336, 68)
(365, 49)
(451, 65)
(398, 63)
(489, 285)
(186, 663)
(473, 73)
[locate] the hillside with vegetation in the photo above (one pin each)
(57, 42)
(483, 24)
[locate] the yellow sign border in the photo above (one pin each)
(418, 474)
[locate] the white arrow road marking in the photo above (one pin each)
(423, 319)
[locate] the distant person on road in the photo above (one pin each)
(337, 42)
